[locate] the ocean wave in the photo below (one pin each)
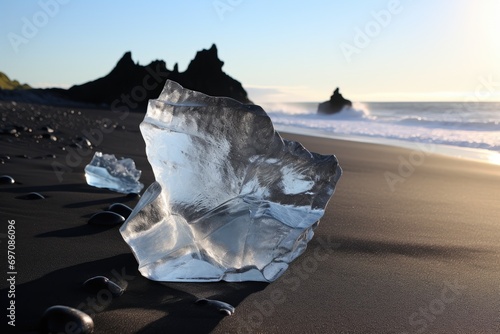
(307, 109)
(486, 125)
(439, 123)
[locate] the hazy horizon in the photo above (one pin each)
(375, 51)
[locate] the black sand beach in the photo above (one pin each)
(420, 256)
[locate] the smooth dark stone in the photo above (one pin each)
(64, 319)
(106, 218)
(120, 209)
(6, 179)
(221, 307)
(43, 157)
(53, 156)
(77, 145)
(49, 136)
(13, 130)
(31, 196)
(98, 283)
(82, 142)
(47, 129)
(9, 131)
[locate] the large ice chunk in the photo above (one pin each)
(105, 171)
(232, 200)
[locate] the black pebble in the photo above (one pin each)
(98, 283)
(221, 307)
(47, 129)
(31, 196)
(133, 196)
(81, 142)
(64, 319)
(106, 218)
(6, 179)
(49, 136)
(7, 131)
(120, 209)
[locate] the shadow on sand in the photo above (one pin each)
(160, 307)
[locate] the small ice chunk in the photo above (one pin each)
(105, 171)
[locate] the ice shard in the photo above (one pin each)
(232, 200)
(105, 171)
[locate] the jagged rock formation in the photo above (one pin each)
(138, 83)
(336, 103)
(133, 85)
(204, 74)
(127, 81)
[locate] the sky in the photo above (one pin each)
(281, 51)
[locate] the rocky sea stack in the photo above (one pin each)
(336, 103)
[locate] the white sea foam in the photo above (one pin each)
(457, 125)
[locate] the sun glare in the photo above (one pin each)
(494, 158)
(487, 12)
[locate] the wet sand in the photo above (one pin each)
(417, 254)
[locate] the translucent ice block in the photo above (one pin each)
(232, 200)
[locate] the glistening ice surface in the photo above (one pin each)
(232, 200)
(105, 171)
